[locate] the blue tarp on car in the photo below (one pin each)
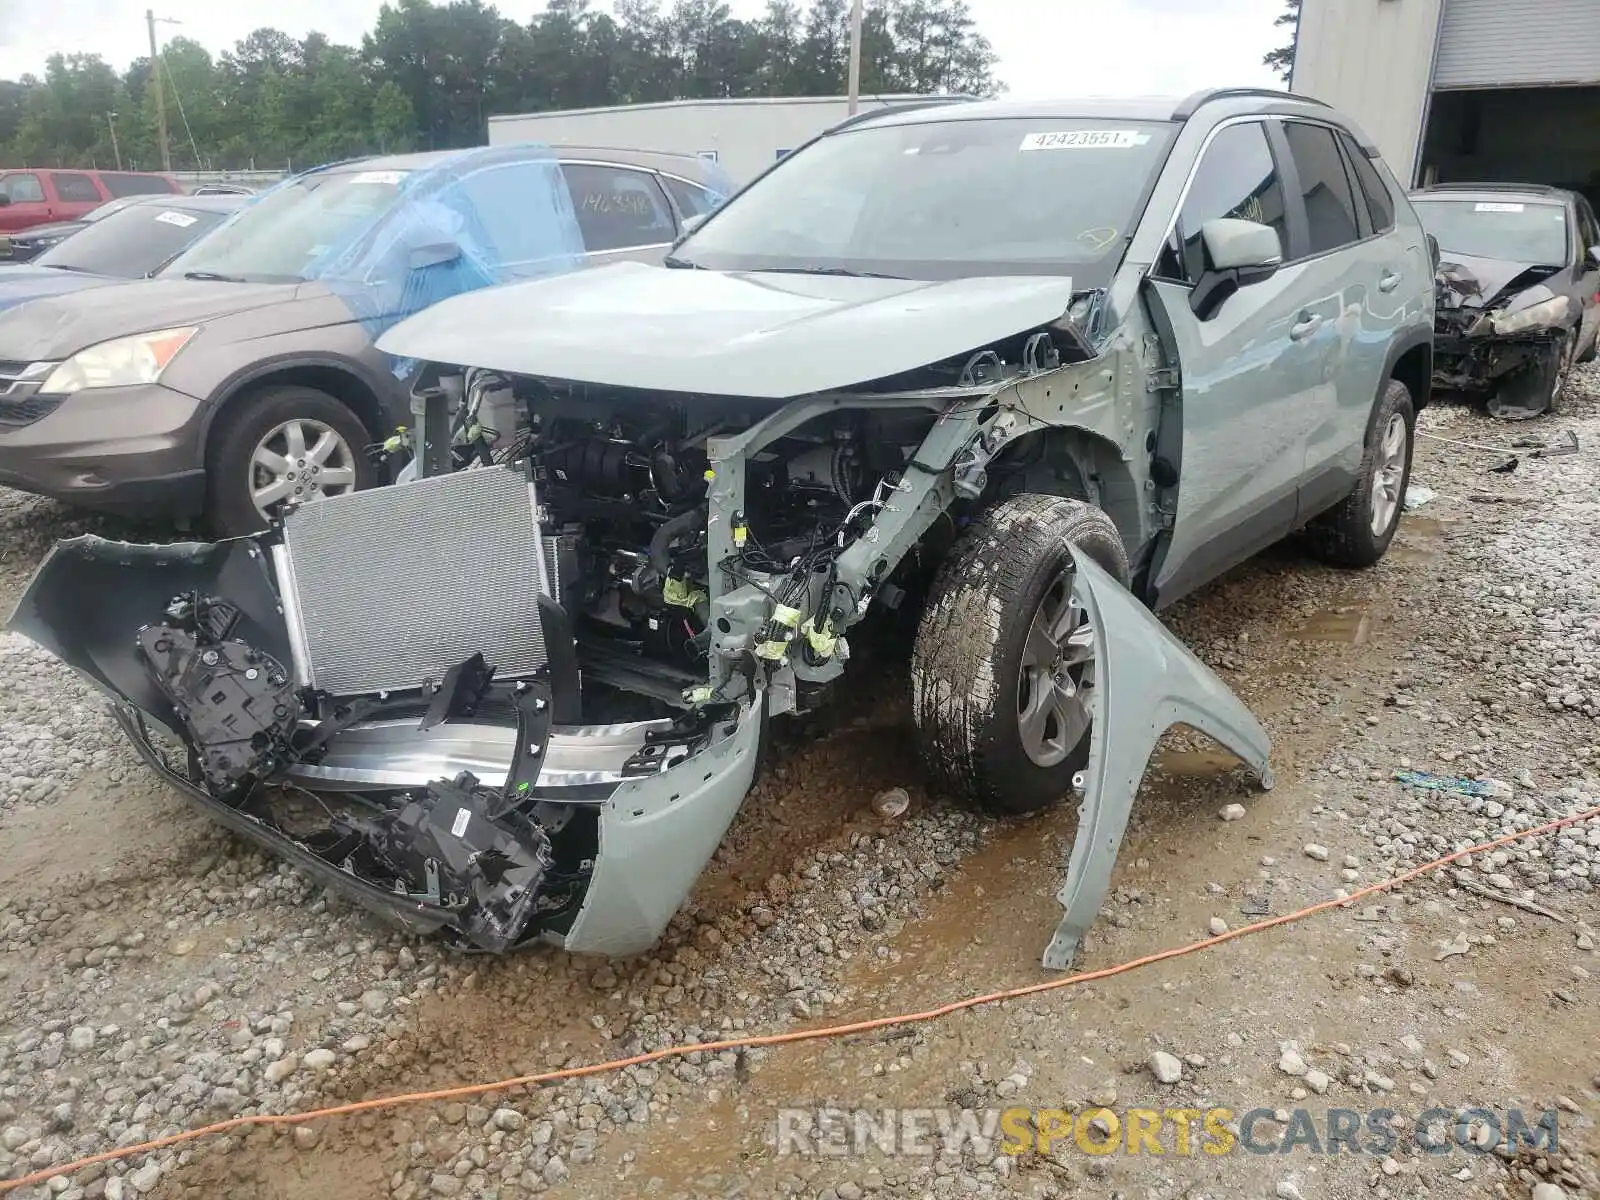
(463, 222)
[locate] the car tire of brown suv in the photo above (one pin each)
(240, 427)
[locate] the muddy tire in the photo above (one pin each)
(1001, 721)
(1357, 531)
(253, 442)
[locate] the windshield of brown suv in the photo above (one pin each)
(944, 200)
(283, 236)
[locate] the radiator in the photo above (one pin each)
(385, 588)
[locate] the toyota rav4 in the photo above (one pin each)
(1034, 370)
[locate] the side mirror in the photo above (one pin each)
(1435, 255)
(435, 254)
(1594, 256)
(1234, 245)
(1238, 254)
(690, 224)
(5, 199)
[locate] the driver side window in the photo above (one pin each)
(1236, 178)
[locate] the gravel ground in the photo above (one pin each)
(157, 974)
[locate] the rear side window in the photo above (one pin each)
(692, 199)
(1236, 178)
(76, 189)
(23, 188)
(618, 208)
(125, 184)
(1380, 204)
(1324, 186)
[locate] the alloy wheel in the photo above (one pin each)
(1057, 677)
(299, 461)
(1388, 474)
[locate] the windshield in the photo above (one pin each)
(281, 237)
(1513, 230)
(945, 200)
(109, 207)
(132, 243)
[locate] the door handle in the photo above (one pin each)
(1388, 281)
(1308, 324)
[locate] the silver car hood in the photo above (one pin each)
(762, 334)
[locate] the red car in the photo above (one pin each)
(37, 195)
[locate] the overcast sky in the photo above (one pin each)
(1046, 47)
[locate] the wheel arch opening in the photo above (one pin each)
(1414, 368)
(339, 382)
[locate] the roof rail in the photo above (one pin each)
(1535, 189)
(869, 113)
(1206, 95)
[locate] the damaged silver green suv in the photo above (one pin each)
(1021, 372)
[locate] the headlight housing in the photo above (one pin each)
(1536, 316)
(121, 362)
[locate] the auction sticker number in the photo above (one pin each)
(181, 220)
(1498, 206)
(1086, 139)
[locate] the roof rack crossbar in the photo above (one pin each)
(1206, 95)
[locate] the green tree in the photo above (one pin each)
(393, 122)
(1281, 60)
(428, 75)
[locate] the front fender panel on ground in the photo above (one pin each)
(1147, 682)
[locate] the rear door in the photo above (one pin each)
(1249, 373)
(1357, 277)
(27, 202)
(76, 194)
(622, 211)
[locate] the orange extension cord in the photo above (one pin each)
(777, 1039)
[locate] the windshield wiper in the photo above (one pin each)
(212, 277)
(844, 271)
(69, 267)
(681, 263)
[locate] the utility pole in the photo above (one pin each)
(111, 121)
(161, 99)
(855, 56)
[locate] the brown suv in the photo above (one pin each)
(244, 375)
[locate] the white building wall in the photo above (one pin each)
(745, 134)
(1372, 59)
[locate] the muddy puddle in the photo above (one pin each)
(1346, 625)
(1000, 908)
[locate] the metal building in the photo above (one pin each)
(744, 136)
(1455, 90)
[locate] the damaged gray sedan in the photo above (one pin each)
(1518, 291)
(1024, 372)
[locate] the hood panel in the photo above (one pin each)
(54, 328)
(21, 284)
(766, 335)
(1471, 282)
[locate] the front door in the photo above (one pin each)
(1250, 372)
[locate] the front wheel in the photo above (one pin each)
(282, 446)
(1004, 669)
(1357, 532)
